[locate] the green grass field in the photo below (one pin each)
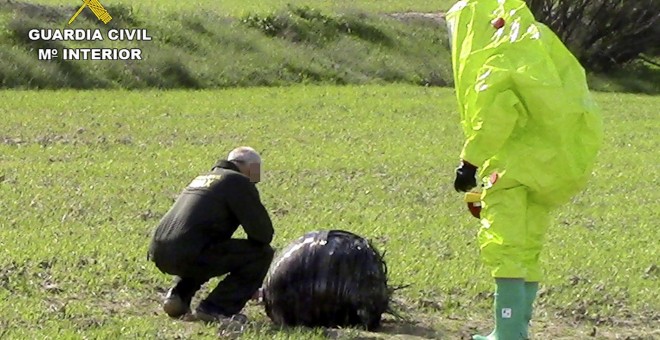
(237, 7)
(252, 43)
(85, 176)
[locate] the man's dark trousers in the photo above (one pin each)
(246, 263)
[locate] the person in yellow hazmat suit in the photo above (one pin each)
(532, 133)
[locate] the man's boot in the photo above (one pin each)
(174, 305)
(509, 311)
(178, 299)
(531, 288)
(208, 312)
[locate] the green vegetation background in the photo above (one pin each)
(252, 43)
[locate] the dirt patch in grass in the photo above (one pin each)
(438, 17)
(49, 13)
(418, 324)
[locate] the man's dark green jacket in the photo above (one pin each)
(208, 211)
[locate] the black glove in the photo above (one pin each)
(465, 177)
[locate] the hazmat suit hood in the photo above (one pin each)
(523, 98)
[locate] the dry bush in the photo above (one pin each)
(603, 34)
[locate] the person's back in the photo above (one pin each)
(524, 100)
(202, 215)
(564, 130)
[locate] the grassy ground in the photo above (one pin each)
(237, 7)
(254, 43)
(85, 176)
(204, 49)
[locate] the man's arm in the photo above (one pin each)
(491, 127)
(245, 203)
(492, 111)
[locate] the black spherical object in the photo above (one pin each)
(327, 279)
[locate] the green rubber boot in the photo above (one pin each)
(531, 288)
(510, 311)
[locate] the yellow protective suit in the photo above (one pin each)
(528, 116)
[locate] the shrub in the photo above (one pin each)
(603, 34)
(305, 24)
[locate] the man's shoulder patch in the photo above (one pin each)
(204, 181)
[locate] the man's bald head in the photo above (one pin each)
(248, 161)
(245, 154)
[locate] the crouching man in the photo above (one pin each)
(193, 241)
